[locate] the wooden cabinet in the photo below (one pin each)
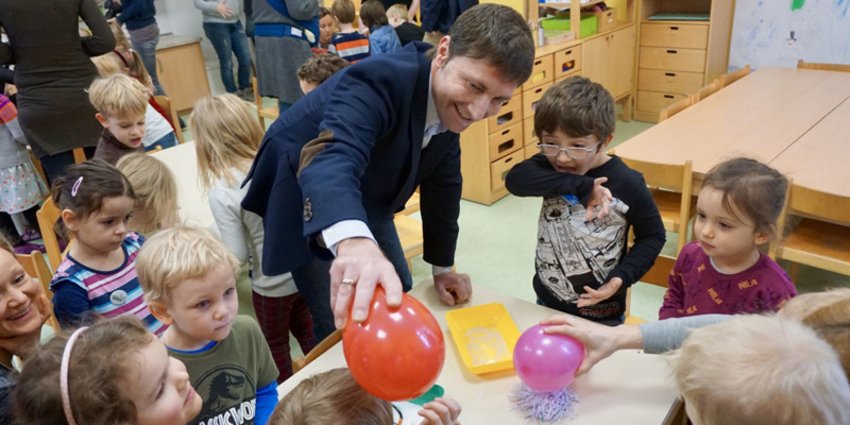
(181, 71)
(608, 59)
(680, 53)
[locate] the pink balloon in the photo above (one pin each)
(547, 362)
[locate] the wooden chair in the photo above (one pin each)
(657, 276)
(708, 90)
(318, 350)
(823, 66)
(731, 77)
(410, 235)
(271, 113)
(821, 238)
(48, 215)
(79, 155)
(164, 102)
(36, 163)
(675, 108)
(672, 188)
(35, 266)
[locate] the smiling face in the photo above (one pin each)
(128, 129)
(199, 310)
(159, 387)
(466, 90)
(23, 307)
(728, 237)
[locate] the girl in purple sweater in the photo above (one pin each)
(722, 271)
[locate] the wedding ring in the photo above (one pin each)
(348, 281)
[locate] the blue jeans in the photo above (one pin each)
(229, 40)
(55, 165)
(147, 51)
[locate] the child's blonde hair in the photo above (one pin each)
(227, 135)
(331, 397)
(754, 189)
(118, 95)
(178, 254)
(758, 370)
(828, 313)
(156, 192)
(97, 374)
(397, 11)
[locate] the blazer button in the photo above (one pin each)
(308, 210)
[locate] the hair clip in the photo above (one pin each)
(76, 187)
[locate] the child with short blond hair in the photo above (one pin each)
(348, 43)
(723, 271)
(334, 397)
(583, 262)
(121, 102)
(156, 193)
(227, 136)
(189, 280)
(406, 32)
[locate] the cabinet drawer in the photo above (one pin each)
(541, 73)
(531, 150)
(669, 81)
(528, 130)
(567, 61)
(499, 169)
(509, 115)
(674, 35)
(653, 101)
(673, 59)
(530, 98)
(505, 141)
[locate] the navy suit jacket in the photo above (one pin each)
(363, 159)
(440, 15)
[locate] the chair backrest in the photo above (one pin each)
(675, 108)
(48, 215)
(36, 163)
(35, 266)
(707, 90)
(79, 155)
(731, 77)
(164, 102)
(801, 64)
(676, 178)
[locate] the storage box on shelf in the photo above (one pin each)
(681, 52)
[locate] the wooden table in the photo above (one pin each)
(628, 387)
(760, 116)
(819, 159)
(192, 200)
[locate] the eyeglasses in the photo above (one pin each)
(574, 153)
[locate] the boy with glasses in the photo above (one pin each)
(583, 262)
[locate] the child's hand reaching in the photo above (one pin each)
(441, 411)
(595, 296)
(600, 197)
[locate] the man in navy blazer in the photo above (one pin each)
(334, 168)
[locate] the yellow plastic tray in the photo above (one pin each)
(485, 336)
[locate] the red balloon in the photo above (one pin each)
(397, 353)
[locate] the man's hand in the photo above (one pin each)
(595, 296)
(599, 341)
(600, 197)
(453, 288)
(358, 268)
(223, 10)
(441, 411)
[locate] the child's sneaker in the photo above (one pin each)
(246, 94)
(30, 235)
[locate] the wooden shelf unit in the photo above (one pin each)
(677, 57)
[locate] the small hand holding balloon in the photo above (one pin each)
(397, 353)
(546, 364)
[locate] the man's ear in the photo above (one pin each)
(442, 56)
(160, 311)
(101, 119)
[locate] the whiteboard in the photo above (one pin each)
(779, 32)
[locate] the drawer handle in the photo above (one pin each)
(536, 63)
(506, 146)
(504, 118)
(566, 66)
(670, 74)
(569, 52)
(672, 51)
(668, 96)
(674, 28)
